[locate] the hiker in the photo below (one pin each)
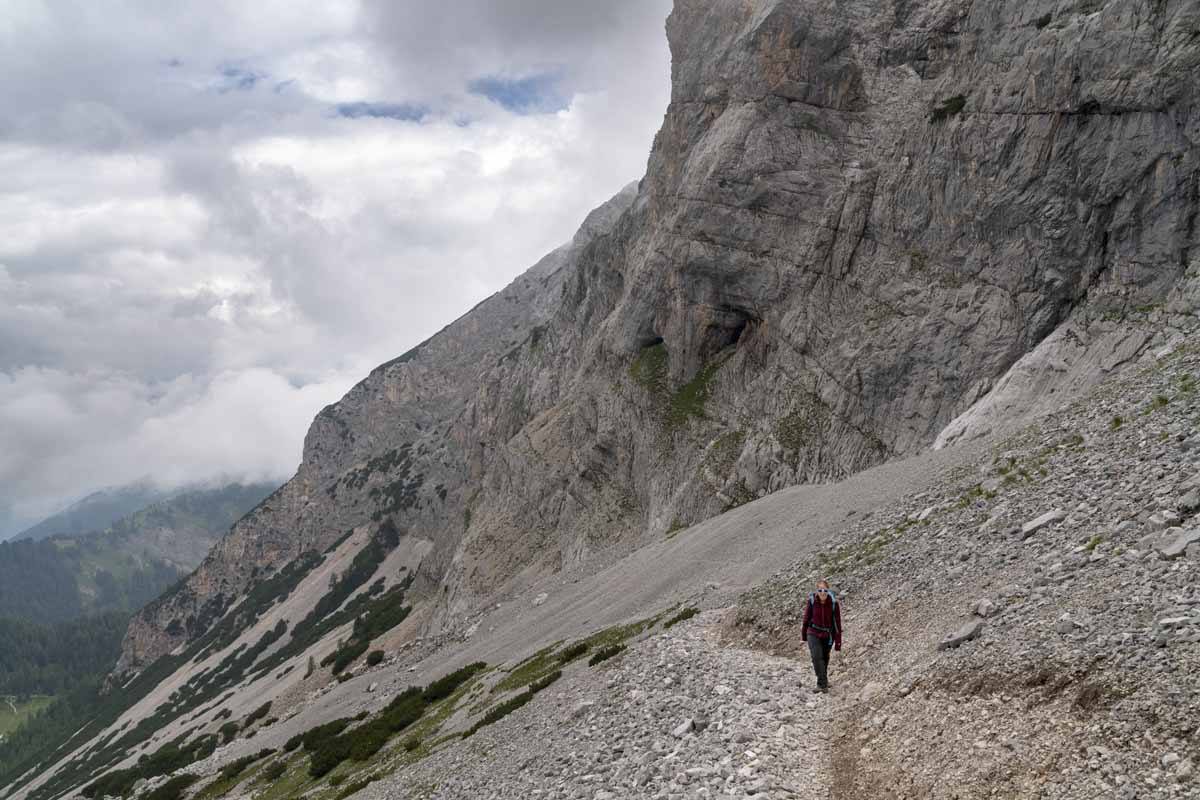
(822, 629)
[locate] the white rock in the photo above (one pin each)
(1035, 525)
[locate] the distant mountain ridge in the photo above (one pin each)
(120, 568)
(98, 510)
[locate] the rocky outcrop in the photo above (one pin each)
(857, 219)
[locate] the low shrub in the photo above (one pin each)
(174, 788)
(544, 682)
(573, 652)
(605, 654)
(374, 658)
(446, 686)
(686, 614)
(274, 771)
(229, 732)
(499, 712)
(236, 767)
(356, 787)
(411, 744)
(257, 714)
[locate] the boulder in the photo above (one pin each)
(966, 633)
(684, 728)
(1035, 525)
(984, 608)
(1177, 545)
(541, 598)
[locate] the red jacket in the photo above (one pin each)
(824, 618)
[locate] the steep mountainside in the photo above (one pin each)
(856, 218)
(866, 227)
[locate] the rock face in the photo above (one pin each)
(860, 222)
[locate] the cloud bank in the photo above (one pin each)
(218, 217)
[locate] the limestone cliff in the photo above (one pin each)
(856, 218)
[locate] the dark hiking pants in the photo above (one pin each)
(818, 648)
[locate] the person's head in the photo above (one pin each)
(823, 591)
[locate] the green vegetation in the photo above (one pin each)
(14, 711)
(499, 712)
(683, 615)
(331, 744)
(605, 654)
(378, 616)
(357, 786)
(37, 660)
(229, 732)
(677, 525)
(167, 759)
(1093, 543)
(802, 426)
(257, 714)
(87, 709)
(573, 652)
(650, 369)
(1117, 422)
(274, 771)
(531, 669)
(236, 767)
(950, 107)
(1160, 401)
(692, 397)
(174, 788)
(544, 682)
(446, 686)
(374, 658)
(74, 566)
(969, 497)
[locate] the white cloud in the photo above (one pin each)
(198, 250)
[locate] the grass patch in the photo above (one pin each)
(682, 616)
(544, 683)
(273, 771)
(1093, 543)
(601, 656)
(357, 786)
(499, 712)
(650, 369)
(174, 788)
(12, 717)
(693, 396)
(536, 666)
(1116, 423)
(573, 652)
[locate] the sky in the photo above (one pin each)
(216, 217)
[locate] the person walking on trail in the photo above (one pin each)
(822, 629)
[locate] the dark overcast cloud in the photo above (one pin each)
(216, 217)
